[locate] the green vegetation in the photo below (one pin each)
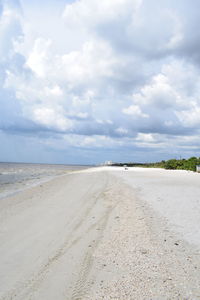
(171, 164)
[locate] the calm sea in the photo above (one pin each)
(15, 177)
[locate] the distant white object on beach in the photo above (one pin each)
(108, 163)
(198, 168)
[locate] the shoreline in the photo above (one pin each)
(10, 189)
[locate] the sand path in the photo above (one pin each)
(94, 235)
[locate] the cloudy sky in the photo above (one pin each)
(84, 81)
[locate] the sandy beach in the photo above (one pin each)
(103, 233)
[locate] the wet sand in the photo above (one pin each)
(103, 233)
(16, 177)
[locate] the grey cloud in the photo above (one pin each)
(148, 38)
(151, 37)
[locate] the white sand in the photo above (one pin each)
(174, 194)
(104, 233)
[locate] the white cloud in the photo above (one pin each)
(159, 93)
(94, 141)
(55, 91)
(93, 61)
(51, 118)
(145, 137)
(122, 131)
(93, 12)
(38, 60)
(190, 117)
(135, 111)
(149, 140)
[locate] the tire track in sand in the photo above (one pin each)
(82, 285)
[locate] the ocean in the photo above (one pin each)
(15, 177)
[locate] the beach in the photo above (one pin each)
(103, 233)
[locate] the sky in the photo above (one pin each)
(86, 81)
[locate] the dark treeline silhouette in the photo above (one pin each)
(171, 164)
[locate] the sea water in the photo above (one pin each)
(15, 177)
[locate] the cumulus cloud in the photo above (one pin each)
(190, 117)
(91, 13)
(101, 74)
(134, 110)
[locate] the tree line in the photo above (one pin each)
(171, 164)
